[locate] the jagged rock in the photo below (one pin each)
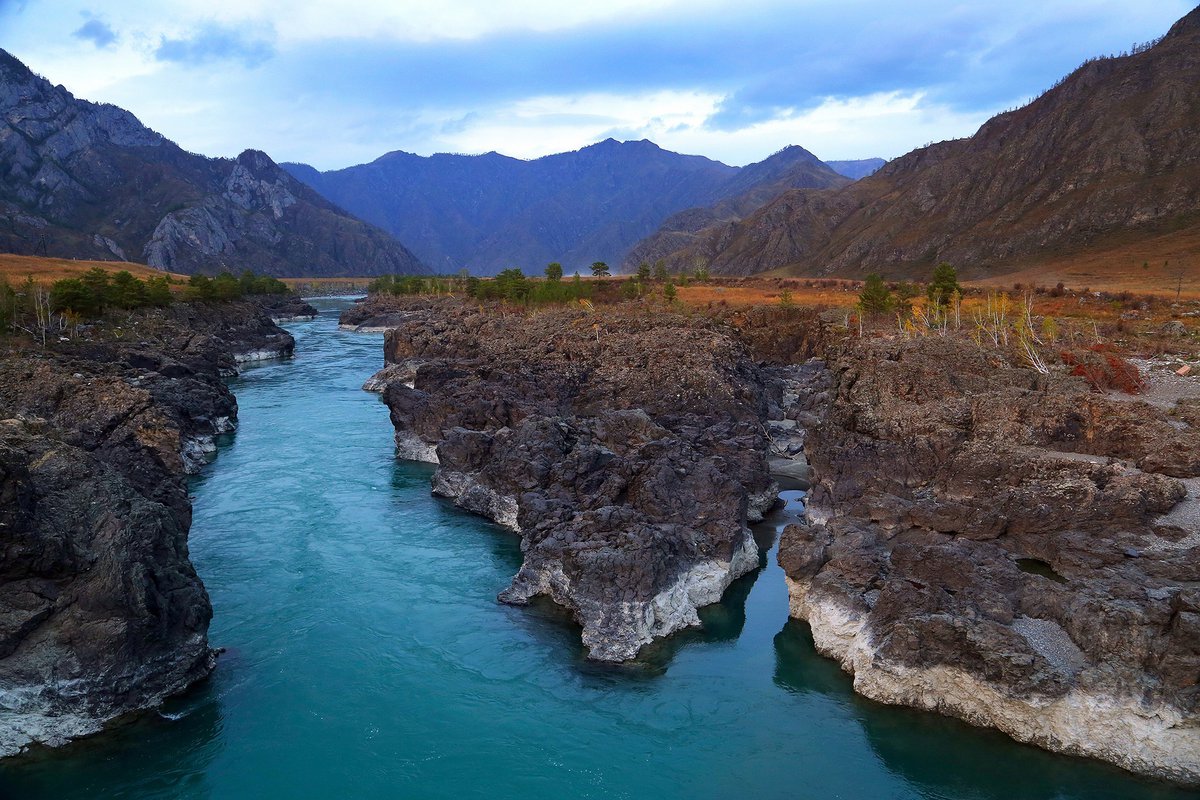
(1006, 547)
(101, 612)
(626, 449)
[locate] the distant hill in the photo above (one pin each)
(88, 181)
(490, 212)
(854, 170)
(1109, 156)
(791, 168)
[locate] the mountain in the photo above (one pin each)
(86, 180)
(791, 168)
(490, 212)
(855, 170)
(1108, 156)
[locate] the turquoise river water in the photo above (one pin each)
(367, 655)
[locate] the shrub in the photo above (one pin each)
(1104, 369)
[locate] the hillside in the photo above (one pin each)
(791, 168)
(490, 212)
(89, 181)
(1109, 156)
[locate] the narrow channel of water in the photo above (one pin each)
(368, 657)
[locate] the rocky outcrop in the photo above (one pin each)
(83, 180)
(1008, 548)
(626, 448)
(101, 612)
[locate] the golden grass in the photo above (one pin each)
(1149, 265)
(15, 268)
(750, 293)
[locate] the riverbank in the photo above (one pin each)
(101, 612)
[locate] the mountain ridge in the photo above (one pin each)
(489, 212)
(1112, 150)
(89, 180)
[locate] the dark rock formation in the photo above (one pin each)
(625, 447)
(1006, 547)
(82, 180)
(1105, 158)
(101, 612)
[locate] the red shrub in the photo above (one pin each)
(1104, 369)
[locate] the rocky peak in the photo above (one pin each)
(87, 180)
(257, 163)
(1189, 24)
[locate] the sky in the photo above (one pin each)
(334, 83)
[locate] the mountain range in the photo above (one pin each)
(87, 180)
(489, 212)
(1109, 155)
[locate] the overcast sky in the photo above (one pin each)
(334, 83)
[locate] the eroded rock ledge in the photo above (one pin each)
(1007, 548)
(101, 612)
(626, 448)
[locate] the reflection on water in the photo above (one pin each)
(368, 656)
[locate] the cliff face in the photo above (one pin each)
(89, 181)
(626, 449)
(1008, 548)
(1109, 154)
(101, 612)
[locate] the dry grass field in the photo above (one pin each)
(1150, 265)
(15, 269)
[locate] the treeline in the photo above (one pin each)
(511, 285)
(98, 290)
(36, 308)
(514, 286)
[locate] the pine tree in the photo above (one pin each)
(875, 298)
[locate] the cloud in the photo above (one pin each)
(212, 43)
(96, 31)
(844, 78)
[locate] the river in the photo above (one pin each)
(366, 655)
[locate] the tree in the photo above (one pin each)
(599, 270)
(127, 291)
(630, 290)
(660, 270)
(669, 292)
(643, 272)
(875, 298)
(554, 271)
(943, 285)
(158, 291)
(96, 280)
(906, 292)
(512, 285)
(1179, 272)
(226, 287)
(200, 288)
(8, 305)
(71, 294)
